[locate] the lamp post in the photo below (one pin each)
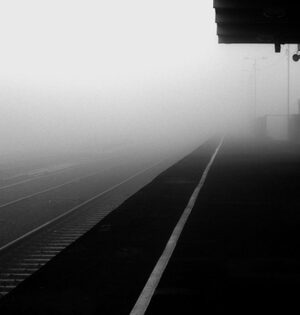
(288, 83)
(255, 80)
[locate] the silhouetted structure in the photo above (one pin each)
(258, 21)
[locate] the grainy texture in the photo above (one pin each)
(240, 250)
(105, 270)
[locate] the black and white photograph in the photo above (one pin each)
(149, 157)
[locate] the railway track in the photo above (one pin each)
(32, 176)
(25, 255)
(51, 188)
(36, 177)
(19, 191)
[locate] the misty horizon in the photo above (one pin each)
(82, 76)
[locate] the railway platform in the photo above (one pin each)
(238, 251)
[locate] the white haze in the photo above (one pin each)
(80, 75)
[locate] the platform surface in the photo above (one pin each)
(238, 253)
(240, 250)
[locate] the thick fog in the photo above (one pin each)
(84, 75)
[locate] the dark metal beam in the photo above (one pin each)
(258, 21)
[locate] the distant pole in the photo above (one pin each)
(288, 92)
(255, 87)
(255, 60)
(288, 82)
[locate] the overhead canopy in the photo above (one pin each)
(258, 21)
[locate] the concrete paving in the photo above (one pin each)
(239, 252)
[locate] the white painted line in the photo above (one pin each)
(145, 297)
(80, 205)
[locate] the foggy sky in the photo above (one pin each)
(80, 74)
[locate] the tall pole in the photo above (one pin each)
(255, 111)
(255, 88)
(288, 92)
(288, 82)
